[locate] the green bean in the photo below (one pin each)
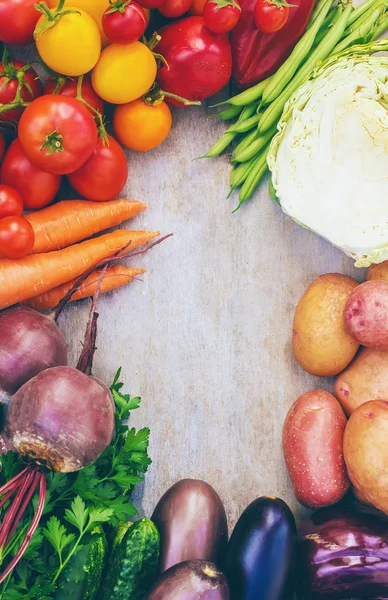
(253, 178)
(288, 69)
(228, 113)
(245, 142)
(239, 174)
(220, 146)
(382, 26)
(360, 10)
(316, 10)
(364, 30)
(322, 51)
(380, 4)
(250, 95)
(257, 145)
(245, 125)
(326, 28)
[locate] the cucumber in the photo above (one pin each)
(81, 578)
(133, 563)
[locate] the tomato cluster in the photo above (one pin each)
(95, 52)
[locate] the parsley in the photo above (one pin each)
(77, 504)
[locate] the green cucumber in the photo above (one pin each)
(133, 563)
(81, 578)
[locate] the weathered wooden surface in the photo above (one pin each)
(205, 338)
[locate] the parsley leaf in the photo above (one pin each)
(57, 535)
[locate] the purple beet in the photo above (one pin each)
(191, 580)
(29, 343)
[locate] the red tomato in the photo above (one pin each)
(16, 237)
(17, 21)
(199, 61)
(124, 23)
(150, 3)
(57, 134)
(9, 86)
(2, 145)
(68, 87)
(37, 188)
(271, 15)
(175, 8)
(104, 175)
(11, 202)
(221, 15)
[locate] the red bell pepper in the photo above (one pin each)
(256, 54)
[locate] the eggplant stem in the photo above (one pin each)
(31, 529)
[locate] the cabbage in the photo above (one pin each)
(329, 159)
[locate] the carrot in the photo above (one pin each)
(71, 221)
(38, 273)
(114, 277)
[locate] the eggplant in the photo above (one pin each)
(262, 551)
(343, 553)
(191, 520)
(191, 580)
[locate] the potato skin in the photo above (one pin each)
(365, 379)
(320, 342)
(366, 314)
(379, 271)
(312, 446)
(366, 452)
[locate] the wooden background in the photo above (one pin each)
(205, 339)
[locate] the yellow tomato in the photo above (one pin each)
(72, 46)
(95, 8)
(124, 72)
(140, 126)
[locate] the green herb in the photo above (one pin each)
(77, 503)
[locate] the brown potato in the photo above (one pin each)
(379, 271)
(321, 344)
(366, 314)
(366, 452)
(365, 379)
(312, 446)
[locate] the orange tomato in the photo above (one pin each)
(140, 126)
(197, 8)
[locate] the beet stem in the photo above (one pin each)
(25, 503)
(12, 482)
(119, 255)
(85, 362)
(13, 509)
(31, 530)
(10, 493)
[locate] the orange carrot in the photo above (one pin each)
(71, 221)
(114, 277)
(38, 273)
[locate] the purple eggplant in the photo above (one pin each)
(191, 580)
(343, 553)
(261, 552)
(192, 524)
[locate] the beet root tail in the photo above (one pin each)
(23, 486)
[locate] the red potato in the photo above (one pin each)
(366, 314)
(365, 379)
(312, 446)
(366, 452)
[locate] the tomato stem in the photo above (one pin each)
(53, 143)
(222, 3)
(97, 115)
(117, 6)
(52, 17)
(155, 96)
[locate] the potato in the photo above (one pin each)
(366, 452)
(366, 314)
(321, 344)
(365, 379)
(379, 271)
(312, 446)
